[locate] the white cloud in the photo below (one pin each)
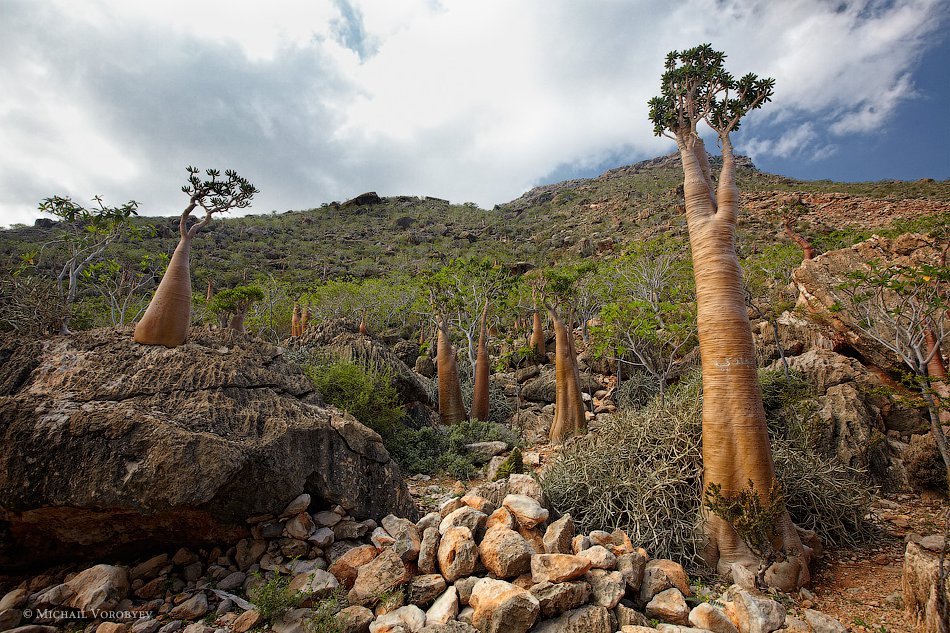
(315, 101)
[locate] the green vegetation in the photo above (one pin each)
(273, 596)
(367, 394)
(324, 614)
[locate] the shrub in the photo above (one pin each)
(641, 471)
(273, 597)
(500, 408)
(323, 619)
(367, 395)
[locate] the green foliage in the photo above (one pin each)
(235, 299)
(697, 87)
(432, 450)
(752, 514)
(323, 618)
(215, 194)
(367, 394)
(273, 597)
(513, 464)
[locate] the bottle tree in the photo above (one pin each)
(168, 315)
(697, 89)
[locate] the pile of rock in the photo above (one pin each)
(475, 565)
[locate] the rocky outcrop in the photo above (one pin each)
(818, 281)
(108, 445)
(921, 584)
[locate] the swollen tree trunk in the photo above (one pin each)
(168, 315)
(209, 292)
(480, 401)
(808, 251)
(304, 319)
(363, 329)
(537, 335)
(237, 321)
(935, 366)
(735, 437)
(451, 406)
(295, 329)
(569, 418)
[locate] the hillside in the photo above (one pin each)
(370, 236)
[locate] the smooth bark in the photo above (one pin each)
(168, 316)
(451, 406)
(735, 437)
(537, 335)
(569, 410)
(295, 329)
(480, 399)
(808, 251)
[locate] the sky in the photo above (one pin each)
(469, 100)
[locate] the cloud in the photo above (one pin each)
(469, 101)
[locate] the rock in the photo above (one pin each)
(426, 588)
(464, 517)
(313, 586)
(323, 537)
(381, 538)
(99, 588)
(505, 553)
(616, 542)
(408, 541)
(10, 619)
(299, 527)
(191, 609)
(411, 618)
(584, 620)
(630, 617)
(345, 567)
(558, 567)
(355, 619)
(600, 557)
(607, 587)
(752, 614)
(298, 505)
(500, 607)
(557, 598)
(430, 520)
(246, 621)
(481, 452)
(14, 599)
(450, 627)
(527, 511)
(232, 581)
(457, 554)
(501, 518)
(850, 426)
(525, 485)
(428, 550)
(112, 627)
(248, 552)
(579, 543)
(821, 623)
(558, 536)
(668, 605)
(151, 625)
(465, 587)
(384, 573)
(481, 504)
(631, 566)
(919, 587)
(706, 616)
(222, 423)
(34, 628)
(660, 574)
(543, 387)
(149, 568)
(293, 621)
(327, 519)
(444, 609)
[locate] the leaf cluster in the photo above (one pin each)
(696, 87)
(215, 194)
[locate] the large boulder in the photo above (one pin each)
(109, 446)
(543, 388)
(921, 585)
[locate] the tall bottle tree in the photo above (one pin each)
(168, 315)
(697, 89)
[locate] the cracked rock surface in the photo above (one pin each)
(115, 444)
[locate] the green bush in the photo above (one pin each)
(273, 598)
(367, 395)
(442, 449)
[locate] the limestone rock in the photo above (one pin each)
(660, 574)
(465, 517)
(428, 550)
(383, 573)
(444, 609)
(607, 587)
(458, 554)
(558, 536)
(501, 517)
(355, 619)
(558, 567)
(821, 623)
(527, 511)
(500, 607)
(99, 588)
(346, 566)
(505, 553)
(632, 566)
(191, 609)
(600, 557)
(298, 505)
(919, 586)
(752, 614)
(220, 421)
(668, 605)
(411, 618)
(406, 535)
(246, 621)
(423, 590)
(557, 598)
(706, 616)
(583, 620)
(525, 485)
(313, 585)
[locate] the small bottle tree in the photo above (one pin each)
(168, 315)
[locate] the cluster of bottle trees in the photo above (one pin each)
(643, 310)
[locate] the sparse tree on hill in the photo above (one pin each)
(569, 411)
(480, 398)
(451, 405)
(697, 89)
(168, 315)
(232, 305)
